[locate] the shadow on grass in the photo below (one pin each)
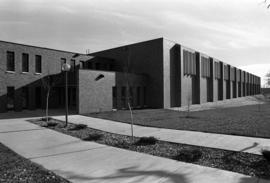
(126, 173)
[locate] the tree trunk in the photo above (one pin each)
(131, 116)
(47, 104)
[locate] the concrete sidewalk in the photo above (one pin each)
(80, 161)
(228, 142)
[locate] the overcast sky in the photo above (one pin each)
(234, 31)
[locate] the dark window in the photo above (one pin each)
(25, 62)
(123, 97)
(25, 97)
(73, 65)
(97, 66)
(10, 97)
(131, 97)
(144, 96)
(138, 96)
(10, 61)
(89, 65)
(114, 93)
(38, 97)
(38, 64)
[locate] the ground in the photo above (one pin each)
(251, 120)
(15, 168)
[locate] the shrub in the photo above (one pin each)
(78, 127)
(51, 124)
(93, 137)
(188, 155)
(266, 154)
(146, 141)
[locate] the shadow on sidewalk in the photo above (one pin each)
(125, 173)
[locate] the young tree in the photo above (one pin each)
(189, 100)
(48, 82)
(128, 90)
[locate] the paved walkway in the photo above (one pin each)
(80, 161)
(228, 142)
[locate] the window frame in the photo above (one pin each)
(10, 67)
(38, 64)
(25, 62)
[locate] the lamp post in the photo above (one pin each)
(66, 67)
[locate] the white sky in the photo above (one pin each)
(234, 31)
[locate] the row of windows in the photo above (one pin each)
(136, 96)
(189, 63)
(25, 62)
(96, 66)
(24, 96)
(205, 67)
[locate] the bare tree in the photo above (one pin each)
(128, 91)
(48, 83)
(189, 100)
(267, 3)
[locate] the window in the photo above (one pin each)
(97, 66)
(25, 97)
(144, 96)
(138, 96)
(114, 94)
(38, 64)
(10, 61)
(123, 96)
(25, 62)
(131, 97)
(73, 65)
(217, 70)
(89, 65)
(205, 67)
(10, 97)
(226, 72)
(189, 63)
(232, 74)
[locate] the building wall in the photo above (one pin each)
(51, 60)
(95, 95)
(155, 65)
(144, 58)
(95, 90)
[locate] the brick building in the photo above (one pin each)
(153, 74)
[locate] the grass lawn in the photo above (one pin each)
(14, 168)
(244, 120)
